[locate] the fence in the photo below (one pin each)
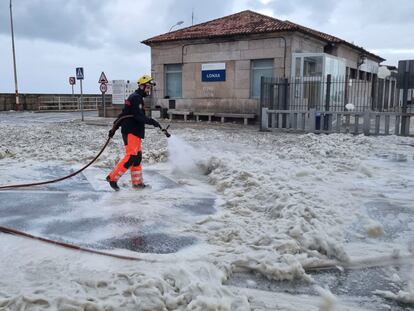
(368, 122)
(313, 104)
(32, 101)
(70, 103)
(333, 94)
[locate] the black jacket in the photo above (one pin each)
(134, 105)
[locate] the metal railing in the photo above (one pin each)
(313, 121)
(69, 103)
(313, 104)
(333, 94)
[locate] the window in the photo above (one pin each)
(173, 81)
(260, 68)
(312, 66)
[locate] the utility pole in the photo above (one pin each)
(192, 16)
(14, 59)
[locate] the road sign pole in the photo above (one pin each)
(81, 99)
(104, 105)
(103, 81)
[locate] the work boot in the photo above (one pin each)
(113, 184)
(139, 186)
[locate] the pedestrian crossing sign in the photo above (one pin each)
(79, 73)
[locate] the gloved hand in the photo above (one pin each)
(156, 124)
(111, 133)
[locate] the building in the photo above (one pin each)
(120, 90)
(217, 66)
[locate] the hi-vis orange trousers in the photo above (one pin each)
(132, 160)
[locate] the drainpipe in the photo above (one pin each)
(182, 51)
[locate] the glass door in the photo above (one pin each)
(309, 72)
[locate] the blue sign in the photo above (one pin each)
(79, 73)
(213, 75)
(213, 72)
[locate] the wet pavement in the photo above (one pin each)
(49, 117)
(94, 216)
(358, 284)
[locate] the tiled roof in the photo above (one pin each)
(321, 35)
(244, 23)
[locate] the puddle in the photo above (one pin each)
(158, 243)
(396, 221)
(202, 206)
(395, 157)
(359, 284)
(74, 228)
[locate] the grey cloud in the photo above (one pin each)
(203, 11)
(386, 12)
(58, 21)
(316, 10)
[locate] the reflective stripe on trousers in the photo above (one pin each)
(133, 149)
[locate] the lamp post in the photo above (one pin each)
(177, 24)
(14, 59)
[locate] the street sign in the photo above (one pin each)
(79, 73)
(213, 72)
(72, 80)
(102, 78)
(103, 88)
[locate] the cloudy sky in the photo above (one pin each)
(53, 37)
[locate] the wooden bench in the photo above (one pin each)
(185, 113)
(208, 114)
(244, 116)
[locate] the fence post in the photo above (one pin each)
(374, 93)
(367, 122)
(285, 101)
(311, 120)
(59, 104)
(265, 119)
(261, 101)
(405, 124)
(327, 117)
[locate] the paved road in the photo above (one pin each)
(85, 211)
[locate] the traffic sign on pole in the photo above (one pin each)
(72, 80)
(103, 88)
(79, 73)
(102, 78)
(80, 76)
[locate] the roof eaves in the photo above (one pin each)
(332, 39)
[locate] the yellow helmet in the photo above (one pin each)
(144, 80)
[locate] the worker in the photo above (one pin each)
(133, 132)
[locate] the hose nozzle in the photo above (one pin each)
(165, 131)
